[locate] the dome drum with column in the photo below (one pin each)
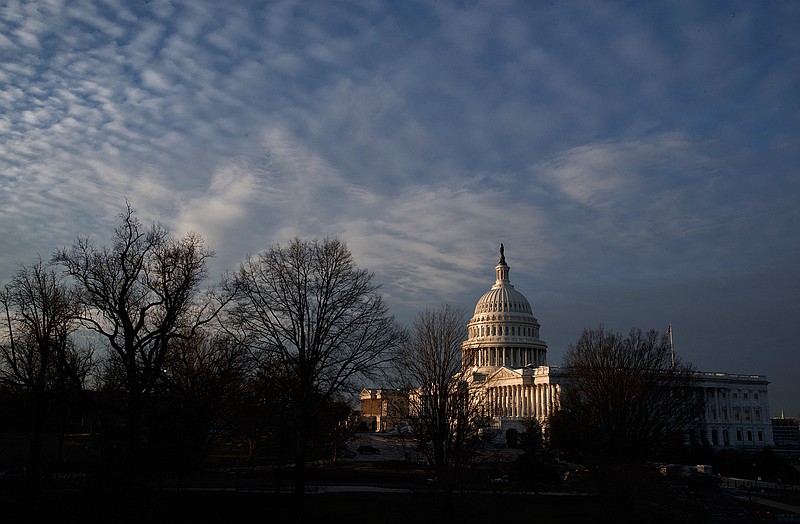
(504, 362)
(505, 359)
(503, 330)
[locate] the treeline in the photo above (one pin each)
(126, 341)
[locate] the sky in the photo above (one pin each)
(640, 161)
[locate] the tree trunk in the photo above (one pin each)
(300, 461)
(134, 433)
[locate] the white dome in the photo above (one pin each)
(503, 330)
(503, 298)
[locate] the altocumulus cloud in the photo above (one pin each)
(640, 165)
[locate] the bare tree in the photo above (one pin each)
(140, 294)
(199, 389)
(624, 399)
(37, 358)
(307, 307)
(264, 413)
(446, 415)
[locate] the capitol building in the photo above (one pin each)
(509, 360)
(506, 365)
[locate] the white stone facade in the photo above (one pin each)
(507, 364)
(506, 358)
(737, 410)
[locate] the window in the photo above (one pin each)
(760, 436)
(749, 436)
(758, 414)
(724, 413)
(714, 437)
(755, 395)
(735, 395)
(747, 415)
(736, 414)
(739, 435)
(744, 395)
(725, 439)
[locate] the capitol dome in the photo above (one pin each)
(503, 297)
(503, 330)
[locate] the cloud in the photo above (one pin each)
(222, 208)
(613, 151)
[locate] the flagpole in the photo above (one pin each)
(671, 347)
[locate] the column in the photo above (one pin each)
(547, 400)
(525, 411)
(558, 395)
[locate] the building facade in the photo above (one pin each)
(786, 432)
(508, 366)
(383, 409)
(505, 362)
(506, 359)
(737, 410)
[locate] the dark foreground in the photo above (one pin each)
(369, 488)
(233, 507)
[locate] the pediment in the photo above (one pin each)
(504, 373)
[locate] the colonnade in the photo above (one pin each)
(523, 401)
(509, 356)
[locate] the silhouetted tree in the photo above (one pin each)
(623, 399)
(307, 308)
(140, 294)
(623, 403)
(342, 425)
(264, 415)
(536, 465)
(446, 416)
(37, 358)
(201, 384)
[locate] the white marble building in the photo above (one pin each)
(507, 357)
(507, 364)
(737, 410)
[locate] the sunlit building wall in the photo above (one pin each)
(508, 363)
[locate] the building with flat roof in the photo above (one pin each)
(510, 369)
(383, 409)
(786, 432)
(507, 366)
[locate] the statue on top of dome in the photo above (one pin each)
(502, 254)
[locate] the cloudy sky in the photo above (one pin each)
(639, 161)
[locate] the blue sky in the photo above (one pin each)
(639, 160)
